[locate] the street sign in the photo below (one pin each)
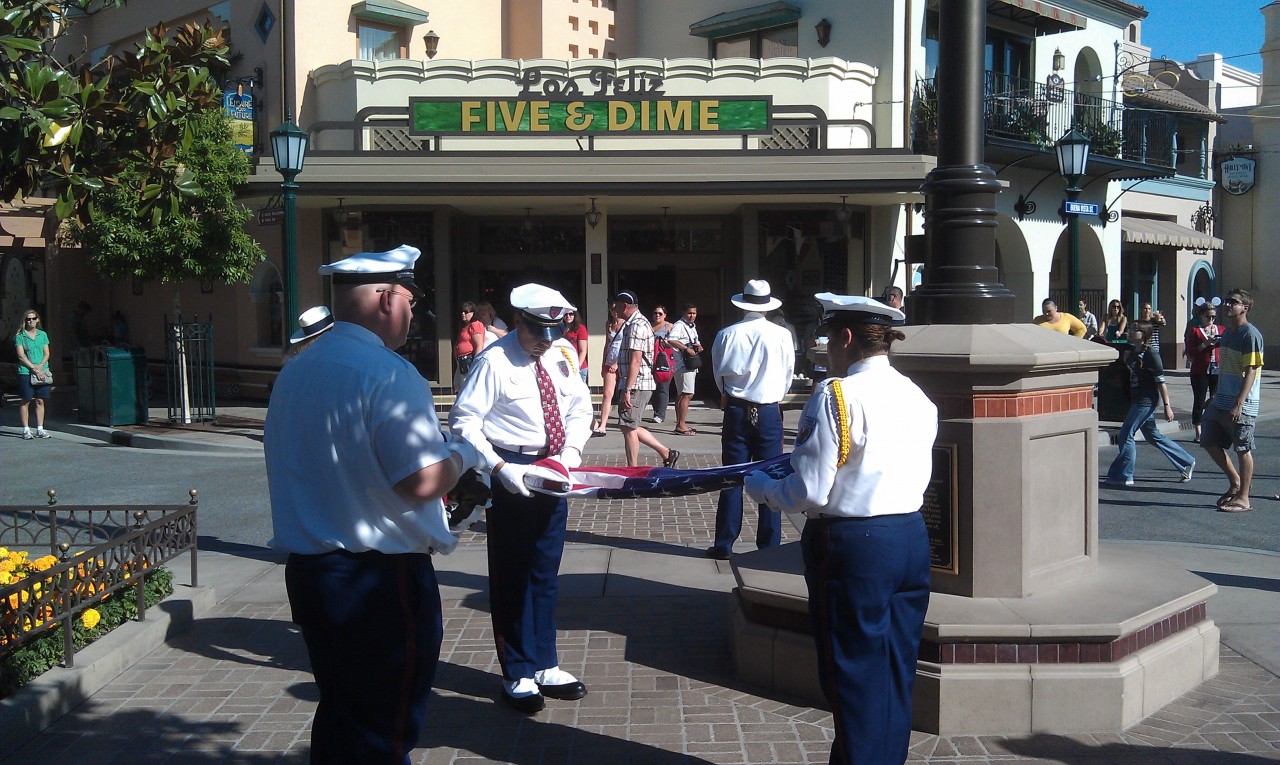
(1080, 208)
(270, 216)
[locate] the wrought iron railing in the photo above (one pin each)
(188, 357)
(1035, 113)
(116, 547)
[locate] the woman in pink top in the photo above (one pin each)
(1202, 353)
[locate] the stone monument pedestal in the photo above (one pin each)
(1030, 628)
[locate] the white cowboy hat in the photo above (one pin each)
(312, 322)
(756, 297)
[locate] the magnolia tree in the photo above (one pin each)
(132, 147)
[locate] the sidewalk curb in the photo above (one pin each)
(39, 704)
(131, 439)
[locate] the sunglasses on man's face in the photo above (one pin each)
(1231, 302)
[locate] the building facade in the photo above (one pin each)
(672, 147)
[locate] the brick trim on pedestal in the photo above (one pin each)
(1061, 653)
(982, 405)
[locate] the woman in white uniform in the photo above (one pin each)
(862, 461)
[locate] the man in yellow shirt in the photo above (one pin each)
(1054, 319)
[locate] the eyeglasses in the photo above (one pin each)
(412, 300)
(1231, 301)
(32, 318)
(1211, 315)
(659, 313)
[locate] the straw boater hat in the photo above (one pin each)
(390, 267)
(858, 309)
(542, 309)
(312, 322)
(756, 297)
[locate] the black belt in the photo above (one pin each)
(742, 402)
(537, 451)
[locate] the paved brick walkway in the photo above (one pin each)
(236, 688)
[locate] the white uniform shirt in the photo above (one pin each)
(682, 332)
(349, 419)
(499, 403)
(753, 360)
(892, 426)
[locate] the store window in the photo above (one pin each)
(380, 43)
(777, 42)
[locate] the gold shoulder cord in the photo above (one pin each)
(842, 418)
(565, 352)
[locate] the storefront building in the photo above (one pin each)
(676, 148)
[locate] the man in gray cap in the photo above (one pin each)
(862, 462)
(524, 401)
(357, 466)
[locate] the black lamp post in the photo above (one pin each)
(289, 151)
(1073, 160)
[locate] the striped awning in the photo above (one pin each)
(1043, 16)
(1166, 234)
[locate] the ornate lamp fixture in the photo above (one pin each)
(432, 41)
(593, 215)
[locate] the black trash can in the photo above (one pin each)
(119, 385)
(87, 412)
(1113, 387)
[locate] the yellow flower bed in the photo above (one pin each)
(17, 566)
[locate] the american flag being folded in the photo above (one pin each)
(548, 476)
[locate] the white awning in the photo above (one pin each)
(1166, 234)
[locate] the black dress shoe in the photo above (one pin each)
(565, 692)
(531, 704)
(718, 553)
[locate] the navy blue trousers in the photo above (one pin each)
(740, 442)
(373, 629)
(868, 584)
(526, 542)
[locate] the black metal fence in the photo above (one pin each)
(188, 356)
(116, 547)
(1033, 112)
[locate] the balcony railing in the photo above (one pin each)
(1032, 112)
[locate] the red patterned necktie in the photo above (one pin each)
(550, 410)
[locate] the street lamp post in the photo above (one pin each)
(289, 150)
(1073, 160)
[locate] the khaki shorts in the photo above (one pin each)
(630, 418)
(1218, 429)
(686, 381)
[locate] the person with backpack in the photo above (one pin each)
(752, 362)
(661, 355)
(635, 380)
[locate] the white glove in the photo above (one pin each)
(755, 484)
(570, 458)
(511, 476)
(470, 455)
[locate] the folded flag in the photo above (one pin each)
(548, 476)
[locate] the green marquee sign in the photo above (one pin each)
(535, 117)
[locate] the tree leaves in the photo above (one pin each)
(68, 130)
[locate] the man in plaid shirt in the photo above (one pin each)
(635, 375)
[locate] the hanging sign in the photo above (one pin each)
(238, 109)
(1238, 174)
(1055, 89)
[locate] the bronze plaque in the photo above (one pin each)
(941, 511)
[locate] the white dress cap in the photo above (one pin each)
(859, 308)
(542, 308)
(377, 267)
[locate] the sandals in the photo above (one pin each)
(597, 433)
(1234, 507)
(1227, 498)
(673, 456)
(686, 432)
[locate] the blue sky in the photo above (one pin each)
(1183, 29)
